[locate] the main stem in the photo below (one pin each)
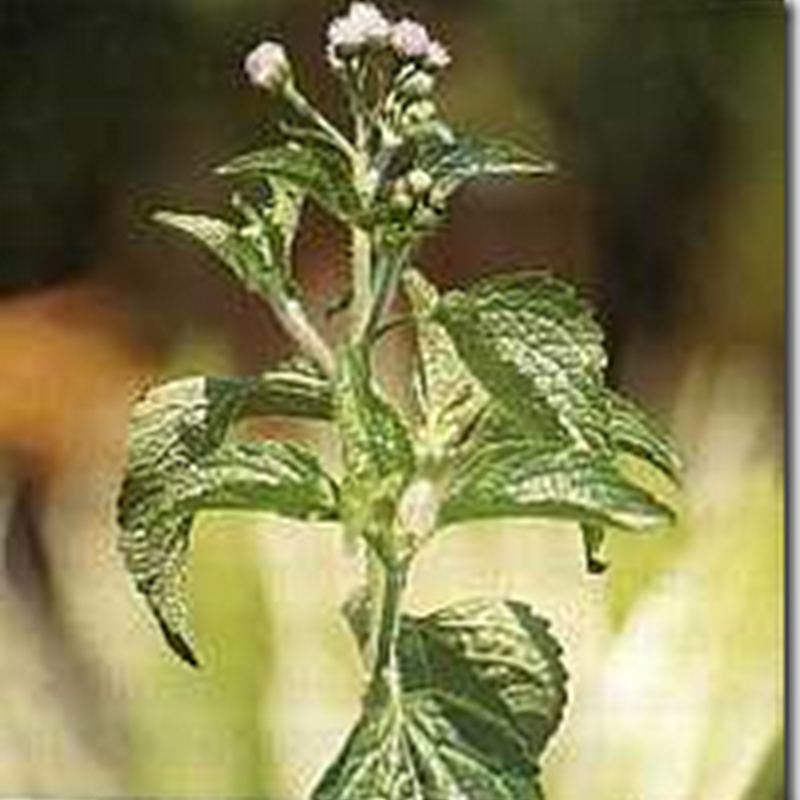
(362, 239)
(389, 599)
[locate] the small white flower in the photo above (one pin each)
(411, 40)
(438, 56)
(267, 66)
(364, 26)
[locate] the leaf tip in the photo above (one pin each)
(167, 218)
(178, 644)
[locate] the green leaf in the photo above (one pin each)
(295, 389)
(453, 162)
(313, 167)
(633, 431)
(251, 264)
(481, 690)
(281, 477)
(179, 465)
(536, 349)
(521, 479)
(377, 450)
(449, 396)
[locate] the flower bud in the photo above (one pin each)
(418, 85)
(419, 182)
(267, 66)
(422, 111)
(401, 199)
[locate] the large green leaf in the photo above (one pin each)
(480, 691)
(312, 167)
(178, 465)
(536, 349)
(449, 396)
(377, 450)
(522, 479)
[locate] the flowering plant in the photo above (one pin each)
(509, 416)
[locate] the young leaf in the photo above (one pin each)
(451, 163)
(449, 396)
(178, 465)
(378, 454)
(633, 431)
(251, 264)
(313, 167)
(481, 692)
(521, 479)
(536, 349)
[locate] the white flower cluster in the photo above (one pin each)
(364, 27)
(410, 39)
(267, 66)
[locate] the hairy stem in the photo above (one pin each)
(300, 104)
(295, 322)
(384, 291)
(388, 622)
(362, 282)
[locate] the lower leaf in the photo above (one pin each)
(479, 690)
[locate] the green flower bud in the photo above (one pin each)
(418, 85)
(419, 182)
(422, 111)
(401, 199)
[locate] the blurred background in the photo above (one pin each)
(666, 118)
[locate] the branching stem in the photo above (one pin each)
(300, 104)
(295, 322)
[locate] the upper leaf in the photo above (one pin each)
(252, 265)
(453, 159)
(315, 167)
(378, 454)
(536, 349)
(178, 466)
(453, 162)
(449, 396)
(516, 479)
(481, 692)
(256, 251)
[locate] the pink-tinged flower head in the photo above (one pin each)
(267, 66)
(362, 27)
(438, 56)
(411, 40)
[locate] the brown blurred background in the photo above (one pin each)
(666, 118)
